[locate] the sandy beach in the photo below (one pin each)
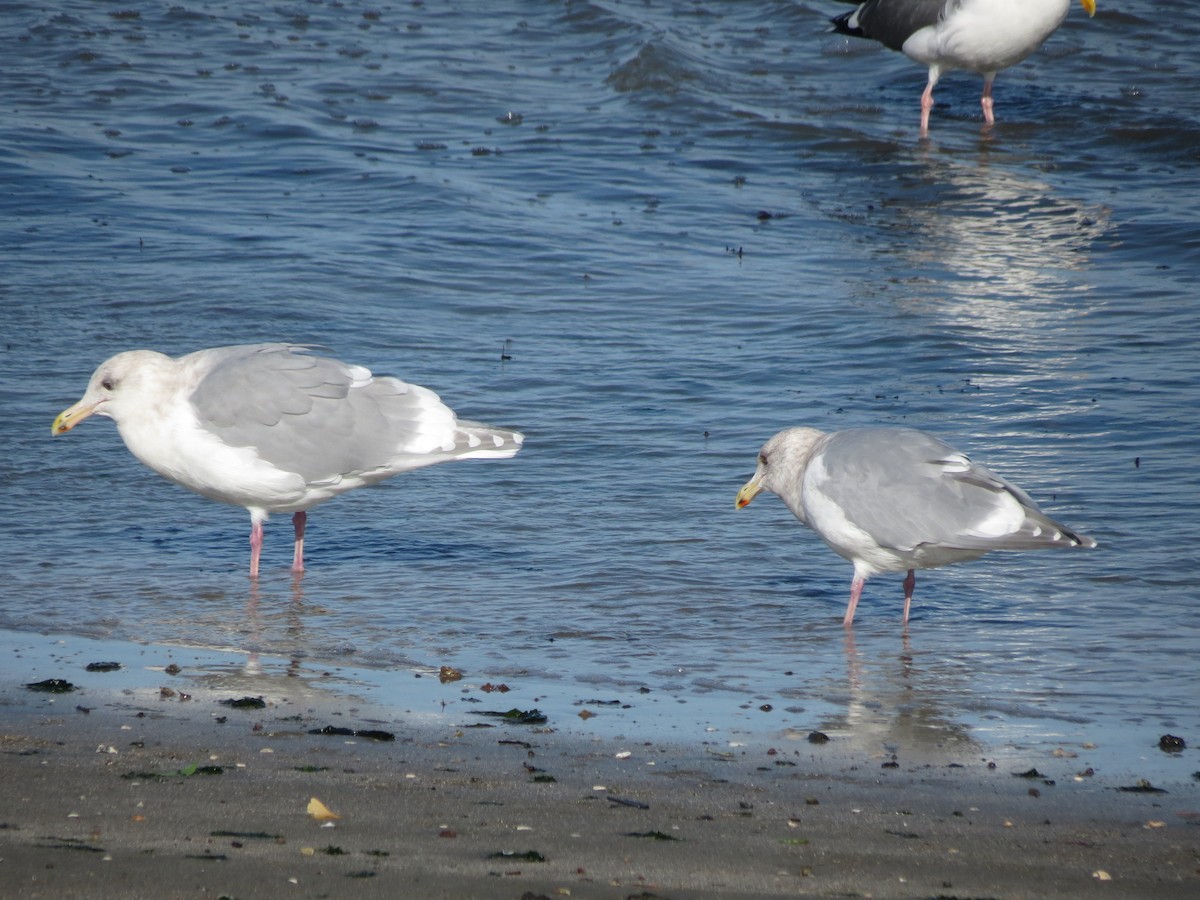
(167, 791)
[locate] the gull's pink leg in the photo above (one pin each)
(256, 541)
(927, 98)
(856, 588)
(910, 582)
(986, 100)
(298, 521)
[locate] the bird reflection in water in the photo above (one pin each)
(892, 705)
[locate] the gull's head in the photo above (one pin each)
(781, 463)
(113, 383)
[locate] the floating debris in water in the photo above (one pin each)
(651, 835)
(247, 835)
(371, 734)
(1142, 787)
(1169, 743)
(70, 844)
(624, 801)
(52, 686)
(527, 856)
(518, 716)
(185, 772)
(244, 703)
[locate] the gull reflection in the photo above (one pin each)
(252, 671)
(894, 703)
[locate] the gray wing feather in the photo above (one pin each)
(256, 385)
(908, 490)
(315, 416)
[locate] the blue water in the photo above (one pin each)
(649, 237)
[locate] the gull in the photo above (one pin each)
(275, 428)
(896, 499)
(981, 36)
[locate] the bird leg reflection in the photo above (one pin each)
(295, 620)
(254, 627)
(853, 664)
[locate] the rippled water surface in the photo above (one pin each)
(649, 236)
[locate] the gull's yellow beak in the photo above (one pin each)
(72, 416)
(1089, 6)
(748, 492)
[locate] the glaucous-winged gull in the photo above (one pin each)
(275, 428)
(981, 36)
(891, 499)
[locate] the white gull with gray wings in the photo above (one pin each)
(896, 499)
(274, 428)
(982, 36)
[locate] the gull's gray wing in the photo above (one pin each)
(318, 417)
(908, 490)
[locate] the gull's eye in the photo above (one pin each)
(108, 383)
(762, 459)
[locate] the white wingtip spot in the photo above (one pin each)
(1037, 530)
(360, 376)
(957, 463)
(473, 440)
(497, 440)
(518, 439)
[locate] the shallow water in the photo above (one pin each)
(649, 238)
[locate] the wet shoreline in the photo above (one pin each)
(111, 786)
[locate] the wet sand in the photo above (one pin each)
(139, 794)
